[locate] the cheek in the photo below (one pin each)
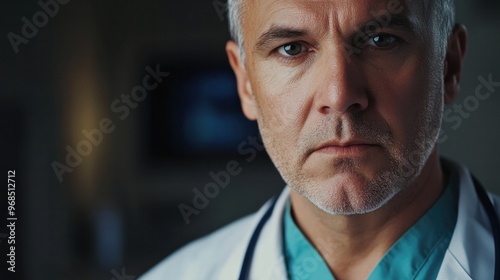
(282, 100)
(402, 96)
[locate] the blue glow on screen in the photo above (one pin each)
(210, 114)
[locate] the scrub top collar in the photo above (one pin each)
(417, 254)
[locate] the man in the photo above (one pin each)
(348, 96)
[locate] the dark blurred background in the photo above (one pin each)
(117, 210)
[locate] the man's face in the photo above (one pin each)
(343, 96)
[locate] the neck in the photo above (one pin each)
(352, 245)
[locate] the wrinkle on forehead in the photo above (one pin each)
(326, 16)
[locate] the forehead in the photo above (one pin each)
(341, 16)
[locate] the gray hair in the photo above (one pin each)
(444, 12)
(235, 13)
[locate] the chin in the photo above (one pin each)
(350, 193)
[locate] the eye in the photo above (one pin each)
(292, 49)
(382, 40)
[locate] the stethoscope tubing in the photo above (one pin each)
(494, 222)
(247, 260)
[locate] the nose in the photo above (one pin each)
(341, 86)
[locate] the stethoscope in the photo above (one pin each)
(481, 193)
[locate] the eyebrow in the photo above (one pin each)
(276, 33)
(395, 21)
(279, 32)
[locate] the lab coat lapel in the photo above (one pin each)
(470, 253)
(268, 261)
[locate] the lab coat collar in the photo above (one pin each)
(470, 253)
(269, 261)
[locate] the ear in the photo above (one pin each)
(243, 83)
(457, 45)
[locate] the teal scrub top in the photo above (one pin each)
(417, 254)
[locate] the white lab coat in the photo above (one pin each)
(219, 255)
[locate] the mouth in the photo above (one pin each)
(346, 149)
